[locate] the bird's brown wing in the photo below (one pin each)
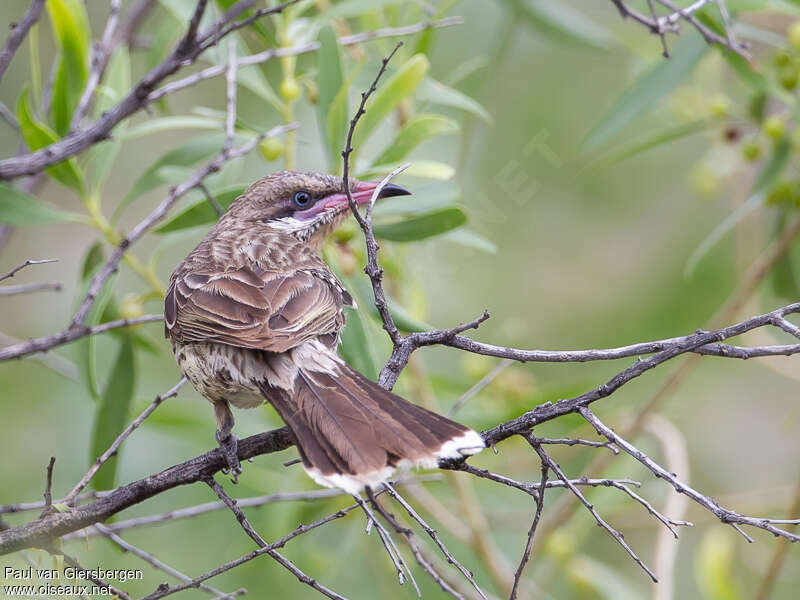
(254, 308)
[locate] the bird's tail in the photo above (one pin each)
(352, 433)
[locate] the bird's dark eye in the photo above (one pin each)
(302, 199)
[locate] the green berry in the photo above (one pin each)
(720, 106)
(290, 89)
(782, 58)
(271, 148)
(774, 127)
(788, 78)
(751, 150)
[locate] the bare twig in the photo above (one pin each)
(550, 463)
(435, 537)
(87, 575)
(101, 52)
(27, 288)
(28, 262)
(230, 77)
(726, 516)
(70, 334)
(397, 559)
(526, 554)
(18, 33)
(143, 93)
(267, 55)
(371, 269)
(163, 591)
(160, 565)
(114, 447)
(248, 528)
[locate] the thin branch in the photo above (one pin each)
(54, 525)
(371, 269)
(550, 463)
(397, 559)
(267, 55)
(230, 77)
(160, 565)
(143, 93)
(248, 528)
(18, 33)
(27, 263)
(548, 411)
(87, 575)
(112, 450)
(101, 53)
(435, 537)
(77, 329)
(726, 516)
(526, 554)
(27, 288)
(72, 333)
(163, 591)
(211, 199)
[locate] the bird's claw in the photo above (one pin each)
(230, 448)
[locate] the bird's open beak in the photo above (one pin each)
(363, 194)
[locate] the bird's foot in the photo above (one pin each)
(230, 447)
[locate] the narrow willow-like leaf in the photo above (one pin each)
(648, 90)
(183, 155)
(19, 208)
(397, 88)
(330, 77)
(71, 31)
(38, 135)
(422, 226)
(201, 212)
(470, 239)
(112, 413)
(438, 93)
(416, 130)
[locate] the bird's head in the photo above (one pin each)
(308, 206)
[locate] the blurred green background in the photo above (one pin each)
(589, 184)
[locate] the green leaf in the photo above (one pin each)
(427, 169)
(423, 226)
(112, 413)
(648, 90)
(183, 155)
(169, 124)
(469, 239)
(19, 208)
(425, 199)
(338, 115)
(201, 212)
(38, 135)
(768, 175)
(397, 88)
(562, 23)
(438, 93)
(650, 141)
(416, 130)
(330, 78)
(85, 349)
(71, 31)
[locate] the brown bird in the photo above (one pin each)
(254, 314)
